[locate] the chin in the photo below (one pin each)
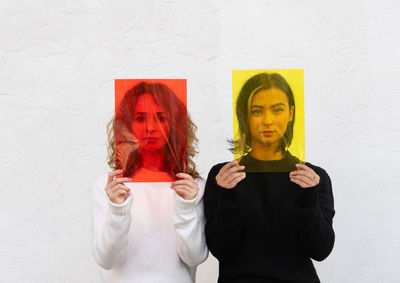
(270, 142)
(150, 148)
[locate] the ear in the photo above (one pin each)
(291, 113)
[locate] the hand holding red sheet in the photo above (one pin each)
(186, 188)
(115, 188)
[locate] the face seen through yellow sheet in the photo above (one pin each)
(269, 117)
(150, 124)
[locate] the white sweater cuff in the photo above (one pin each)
(121, 209)
(183, 206)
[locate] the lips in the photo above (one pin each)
(268, 133)
(151, 139)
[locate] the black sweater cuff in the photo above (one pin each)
(231, 194)
(307, 197)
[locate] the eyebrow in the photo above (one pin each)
(145, 113)
(274, 105)
(278, 104)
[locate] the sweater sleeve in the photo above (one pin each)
(224, 217)
(189, 226)
(315, 211)
(111, 224)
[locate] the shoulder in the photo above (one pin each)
(319, 170)
(325, 180)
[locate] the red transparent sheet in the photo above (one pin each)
(151, 128)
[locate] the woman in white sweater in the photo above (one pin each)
(150, 231)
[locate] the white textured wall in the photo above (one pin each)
(58, 60)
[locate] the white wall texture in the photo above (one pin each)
(58, 60)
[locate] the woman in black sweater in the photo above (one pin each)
(264, 224)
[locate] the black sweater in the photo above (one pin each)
(267, 228)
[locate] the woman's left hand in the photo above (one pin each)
(186, 188)
(305, 177)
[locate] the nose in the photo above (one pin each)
(268, 118)
(151, 124)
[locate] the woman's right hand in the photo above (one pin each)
(115, 188)
(229, 175)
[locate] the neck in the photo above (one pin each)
(152, 160)
(266, 152)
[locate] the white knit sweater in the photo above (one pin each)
(154, 236)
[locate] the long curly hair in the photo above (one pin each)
(181, 146)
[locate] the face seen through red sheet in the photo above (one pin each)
(150, 124)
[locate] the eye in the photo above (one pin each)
(162, 118)
(278, 110)
(139, 118)
(256, 112)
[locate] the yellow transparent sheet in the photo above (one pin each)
(264, 88)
